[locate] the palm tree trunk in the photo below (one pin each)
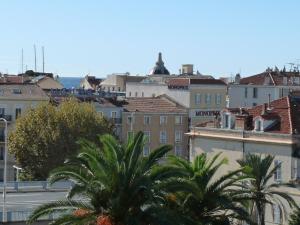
(261, 213)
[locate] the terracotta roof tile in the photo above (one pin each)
(153, 105)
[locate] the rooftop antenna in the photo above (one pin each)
(34, 57)
(43, 53)
(292, 66)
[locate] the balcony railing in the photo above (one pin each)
(116, 120)
(7, 117)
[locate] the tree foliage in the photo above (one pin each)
(46, 135)
(113, 185)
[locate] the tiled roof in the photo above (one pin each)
(11, 79)
(158, 104)
(188, 81)
(22, 92)
(286, 110)
(273, 78)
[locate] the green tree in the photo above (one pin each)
(259, 189)
(203, 195)
(46, 135)
(295, 217)
(116, 184)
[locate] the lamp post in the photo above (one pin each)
(18, 169)
(4, 171)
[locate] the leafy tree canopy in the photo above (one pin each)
(45, 136)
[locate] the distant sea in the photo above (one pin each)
(70, 82)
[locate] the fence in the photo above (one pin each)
(35, 186)
(15, 216)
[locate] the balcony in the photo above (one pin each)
(116, 120)
(7, 117)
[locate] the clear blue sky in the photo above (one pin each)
(101, 37)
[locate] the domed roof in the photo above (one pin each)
(159, 68)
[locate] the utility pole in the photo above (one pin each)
(43, 53)
(34, 58)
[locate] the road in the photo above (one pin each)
(28, 201)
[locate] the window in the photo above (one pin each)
(197, 99)
(163, 137)
(178, 150)
(129, 93)
(218, 99)
(130, 134)
(277, 174)
(1, 175)
(208, 98)
(1, 153)
(227, 121)
(146, 150)
(163, 119)
(142, 94)
(2, 111)
(18, 112)
(129, 120)
(136, 94)
(101, 113)
(16, 91)
(276, 214)
(147, 136)
(114, 114)
(254, 104)
(246, 92)
(178, 119)
(147, 120)
(258, 125)
(254, 92)
(178, 136)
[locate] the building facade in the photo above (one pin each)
(204, 98)
(258, 89)
(268, 129)
(15, 99)
(162, 120)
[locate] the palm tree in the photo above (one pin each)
(259, 190)
(206, 197)
(113, 185)
(295, 217)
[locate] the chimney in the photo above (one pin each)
(264, 109)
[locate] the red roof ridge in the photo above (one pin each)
(290, 113)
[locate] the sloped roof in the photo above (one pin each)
(274, 78)
(158, 104)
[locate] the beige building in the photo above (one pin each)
(116, 82)
(47, 83)
(15, 99)
(162, 120)
(203, 97)
(265, 129)
(90, 83)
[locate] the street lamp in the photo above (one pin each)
(4, 171)
(18, 169)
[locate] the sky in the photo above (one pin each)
(100, 37)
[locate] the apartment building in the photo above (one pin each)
(116, 82)
(15, 99)
(162, 120)
(258, 89)
(271, 128)
(203, 97)
(112, 110)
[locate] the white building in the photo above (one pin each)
(258, 89)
